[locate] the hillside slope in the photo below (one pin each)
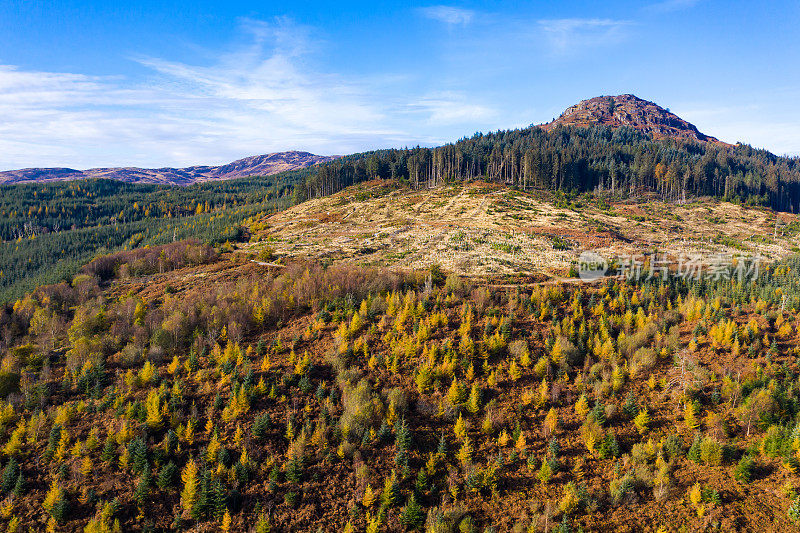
(259, 165)
(482, 228)
(630, 111)
(178, 389)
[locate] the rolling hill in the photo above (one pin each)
(258, 165)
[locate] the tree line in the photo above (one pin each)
(621, 161)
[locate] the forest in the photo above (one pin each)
(49, 230)
(313, 398)
(621, 161)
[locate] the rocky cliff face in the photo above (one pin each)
(259, 165)
(632, 111)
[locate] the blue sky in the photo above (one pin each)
(157, 83)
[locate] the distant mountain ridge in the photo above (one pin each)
(632, 111)
(257, 165)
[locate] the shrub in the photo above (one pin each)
(292, 499)
(565, 354)
(620, 488)
(362, 409)
(9, 383)
(744, 469)
(711, 452)
(642, 361)
(794, 510)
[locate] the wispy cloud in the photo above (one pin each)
(450, 107)
(271, 80)
(571, 35)
(262, 96)
(448, 14)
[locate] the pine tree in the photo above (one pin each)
(402, 435)
(86, 467)
(413, 514)
(474, 401)
(10, 474)
(225, 526)
(154, 418)
(454, 393)
(582, 406)
(189, 494)
(598, 413)
(642, 420)
(369, 498)
(690, 416)
(544, 393)
(441, 448)
(218, 500)
(551, 421)
(465, 453)
(109, 450)
(424, 379)
(142, 488)
(261, 425)
(391, 491)
(138, 454)
(262, 524)
(545, 473)
(166, 475)
(578, 471)
(294, 469)
(460, 428)
(520, 443)
(19, 485)
(421, 484)
(503, 438)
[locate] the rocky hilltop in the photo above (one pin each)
(258, 165)
(632, 111)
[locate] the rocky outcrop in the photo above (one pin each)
(632, 111)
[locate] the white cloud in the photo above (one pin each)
(261, 97)
(450, 107)
(448, 14)
(569, 36)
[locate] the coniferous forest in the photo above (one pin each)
(312, 398)
(619, 160)
(49, 230)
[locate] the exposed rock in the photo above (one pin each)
(632, 111)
